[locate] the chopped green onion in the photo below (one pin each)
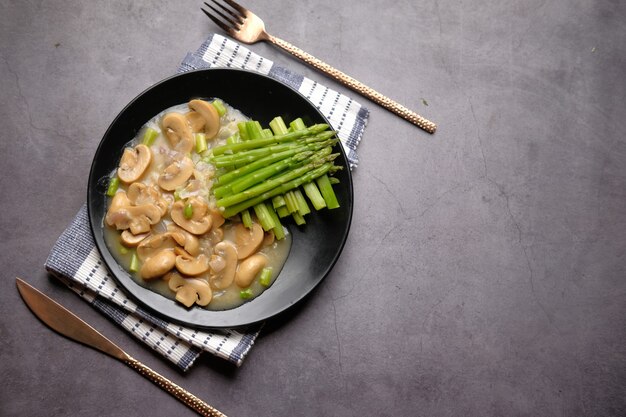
(176, 195)
(266, 277)
(123, 249)
(219, 106)
(134, 263)
(113, 186)
(246, 294)
(149, 136)
(201, 145)
(188, 211)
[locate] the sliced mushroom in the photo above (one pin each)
(210, 115)
(216, 235)
(195, 120)
(178, 132)
(176, 174)
(217, 263)
(136, 218)
(139, 193)
(192, 266)
(192, 244)
(224, 278)
(249, 269)
(158, 265)
(134, 163)
(189, 290)
(218, 219)
(200, 221)
(156, 243)
(118, 203)
(248, 240)
(130, 240)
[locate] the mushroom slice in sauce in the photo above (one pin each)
(155, 243)
(192, 244)
(139, 193)
(192, 266)
(158, 265)
(134, 163)
(195, 120)
(189, 290)
(130, 240)
(200, 220)
(136, 218)
(223, 278)
(210, 115)
(248, 240)
(249, 269)
(176, 174)
(178, 132)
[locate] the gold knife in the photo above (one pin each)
(68, 324)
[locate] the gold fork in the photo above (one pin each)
(245, 26)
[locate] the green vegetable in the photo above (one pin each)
(188, 211)
(271, 170)
(149, 136)
(246, 218)
(114, 184)
(246, 294)
(265, 279)
(219, 106)
(201, 145)
(314, 195)
(297, 125)
(278, 126)
(326, 189)
(134, 263)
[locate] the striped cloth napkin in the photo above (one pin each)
(75, 260)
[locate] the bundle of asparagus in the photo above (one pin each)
(269, 171)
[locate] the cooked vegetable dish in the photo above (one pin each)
(199, 196)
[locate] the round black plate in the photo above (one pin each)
(315, 247)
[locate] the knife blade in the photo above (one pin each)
(63, 321)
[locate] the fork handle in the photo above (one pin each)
(356, 85)
(178, 392)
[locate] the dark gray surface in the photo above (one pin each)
(485, 271)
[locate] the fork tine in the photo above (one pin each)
(218, 22)
(237, 7)
(229, 20)
(235, 15)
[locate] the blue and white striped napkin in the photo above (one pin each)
(75, 260)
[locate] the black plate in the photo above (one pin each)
(315, 247)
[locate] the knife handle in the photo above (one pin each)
(179, 393)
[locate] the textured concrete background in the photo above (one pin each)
(484, 274)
